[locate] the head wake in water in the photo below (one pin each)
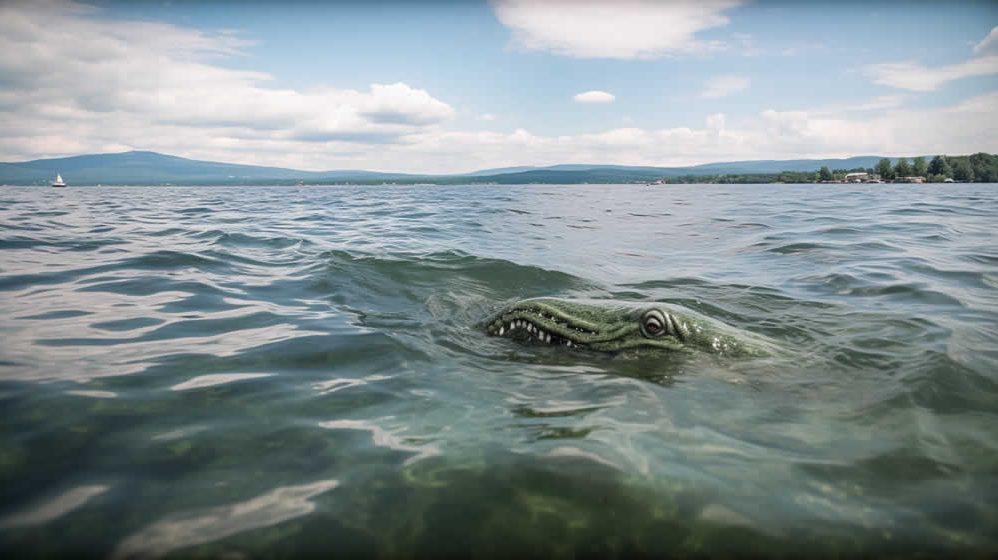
(616, 327)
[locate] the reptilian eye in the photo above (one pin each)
(653, 323)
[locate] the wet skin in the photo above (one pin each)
(616, 327)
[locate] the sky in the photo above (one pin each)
(447, 87)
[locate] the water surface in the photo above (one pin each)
(297, 372)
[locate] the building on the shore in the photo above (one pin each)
(910, 180)
(862, 177)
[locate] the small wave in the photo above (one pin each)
(127, 324)
(406, 271)
(916, 292)
(241, 240)
(168, 232)
(795, 248)
(981, 258)
(214, 379)
(163, 259)
(27, 243)
(195, 211)
(59, 314)
(838, 230)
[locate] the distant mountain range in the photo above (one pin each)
(151, 168)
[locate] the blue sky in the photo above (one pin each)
(454, 86)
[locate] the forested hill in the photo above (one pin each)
(151, 168)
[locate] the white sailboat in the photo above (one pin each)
(58, 181)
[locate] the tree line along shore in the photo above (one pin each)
(976, 168)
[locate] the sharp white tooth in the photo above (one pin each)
(569, 343)
(502, 330)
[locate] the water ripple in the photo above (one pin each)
(192, 371)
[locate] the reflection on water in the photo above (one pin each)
(215, 379)
(383, 438)
(53, 508)
(272, 508)
(336, 384)
(93, 394)
(190, 371)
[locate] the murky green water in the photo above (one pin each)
(296, 372)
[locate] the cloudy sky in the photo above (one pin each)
(457, 86)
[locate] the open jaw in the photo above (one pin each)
(577, 325)
(532, 324)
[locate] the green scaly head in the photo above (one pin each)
(618, 326)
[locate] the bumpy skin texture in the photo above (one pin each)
(616, 327)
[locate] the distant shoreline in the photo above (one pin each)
(567, 185)
(154, 169)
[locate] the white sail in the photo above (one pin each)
(58, 178)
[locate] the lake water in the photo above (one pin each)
(298, 372)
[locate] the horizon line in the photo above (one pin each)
(537, 167)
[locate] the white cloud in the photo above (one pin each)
(967, 127)
(623, 29)
(488, 117)
(878, 103)
(594, 97)
(115, 85)
(915, 77)
(723, 86)
(716, 122)
(989, 43)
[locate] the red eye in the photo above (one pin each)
(653, 327)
